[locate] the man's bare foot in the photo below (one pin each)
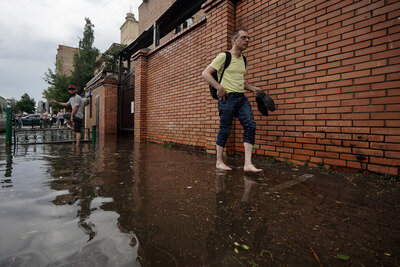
(251, 168)
(222, 166)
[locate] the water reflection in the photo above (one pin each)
(97, 180)
(234, 226)
(119, 202)
(87, 181)
(8, 168)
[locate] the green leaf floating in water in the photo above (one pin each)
(236, 250)
(343, 257)
(245, 247)
(236, 244)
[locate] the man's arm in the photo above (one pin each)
(207, 75)
(251, 88)
(59, 103)
(74, 110)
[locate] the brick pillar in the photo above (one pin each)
(110, 106)
(107, 91)
(220, 24)
(140, 94)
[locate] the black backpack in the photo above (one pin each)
(228, 59)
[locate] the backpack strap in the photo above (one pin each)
(228, 60)
(226, 65)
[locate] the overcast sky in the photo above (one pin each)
(30, 32)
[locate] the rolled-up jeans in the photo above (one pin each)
(235, 105)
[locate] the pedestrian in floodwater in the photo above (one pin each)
(231, 99)
(60, 119)
(77, 104)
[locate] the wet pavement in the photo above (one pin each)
(123, 203)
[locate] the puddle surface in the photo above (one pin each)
(122, 203)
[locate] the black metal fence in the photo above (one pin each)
(17, 134)
(24, 136)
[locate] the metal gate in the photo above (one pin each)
(18, 134)
(126, 98)
(29, 136)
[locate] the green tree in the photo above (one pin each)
(26, 104)
(11, 102)
(58, 88)
(85, 59)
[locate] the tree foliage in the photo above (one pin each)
(84, 65)
(26, 104)
(59, 83)
(11, 102)
(85, 59)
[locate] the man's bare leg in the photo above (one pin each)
(248, 183)
(220, 161)
(69, 124)
(78, 139)
(248, 152)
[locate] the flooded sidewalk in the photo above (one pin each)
(123, 203)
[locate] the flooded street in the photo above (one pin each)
(123, 203)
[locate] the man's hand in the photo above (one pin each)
(221, 93)
(256, 89)
(251, 88)
(53, 101)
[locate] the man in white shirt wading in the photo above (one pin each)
(77, 104)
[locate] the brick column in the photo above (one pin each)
(110, 106)
(220, 24)
(107, 91)
(140, 94)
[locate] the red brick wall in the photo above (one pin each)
(140, 95)
(107, 91)
(332, 68)
(175, 95)
(220, 24)
(110, 104)
(178, 107)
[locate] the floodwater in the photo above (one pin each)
(123, 203)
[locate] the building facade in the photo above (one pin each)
(103, 89)
(129, 30)
(331, 67)
(151, 10)
(65, 59)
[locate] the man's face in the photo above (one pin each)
(72, 92)
(242, 40)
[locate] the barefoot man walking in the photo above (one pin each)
(232, 101)
(77, 104)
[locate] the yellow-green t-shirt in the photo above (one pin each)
(233, 79)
